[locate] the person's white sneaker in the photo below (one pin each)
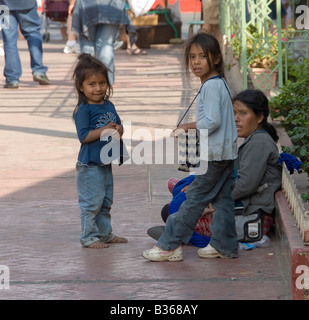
(211, 252)
(158, 254)
(73, 49)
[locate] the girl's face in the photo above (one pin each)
(199, 64)
(246, 120)
(94, 88)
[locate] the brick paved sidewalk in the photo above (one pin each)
(40, 224)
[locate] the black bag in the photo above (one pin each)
(248, 227)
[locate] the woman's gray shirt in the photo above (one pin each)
(259, 174)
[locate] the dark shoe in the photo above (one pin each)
(41, 79)
(156, 232)
(11, 85)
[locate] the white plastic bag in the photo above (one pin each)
(140, 7)
(39, 3)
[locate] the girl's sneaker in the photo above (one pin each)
(211, 252)
(158, 254)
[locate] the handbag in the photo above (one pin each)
(248, 227)
(188, 151)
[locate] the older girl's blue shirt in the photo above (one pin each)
(215, 113)
(90, 117)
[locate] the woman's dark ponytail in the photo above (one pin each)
(271, 130)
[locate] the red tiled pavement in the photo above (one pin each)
(40, 224)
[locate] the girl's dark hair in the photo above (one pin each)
(258, 103)
(87, 66)
(211, 48)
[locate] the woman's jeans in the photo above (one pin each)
(30, 25)
(100, 44)
(214, 186)
(95, 198)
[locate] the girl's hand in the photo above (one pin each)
(182, 128)
(119, 128)
(114, 130)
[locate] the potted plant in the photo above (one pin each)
(261, 56)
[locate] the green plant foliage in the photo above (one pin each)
(293, 105)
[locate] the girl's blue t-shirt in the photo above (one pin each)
(90, 117)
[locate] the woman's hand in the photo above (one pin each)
(208, 210)
(184, 189)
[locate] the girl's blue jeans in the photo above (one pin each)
(214, 186)
(100, 44)
(95, 198)
(30, 26)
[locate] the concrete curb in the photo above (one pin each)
(294, 253)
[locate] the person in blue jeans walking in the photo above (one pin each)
(97, 24)
(23, 14)
(95, 116)
(214, 112)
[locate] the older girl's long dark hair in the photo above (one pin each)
(86, 67)
(258, 103)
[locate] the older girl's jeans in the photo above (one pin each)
(100, 44)
(214, 186)
(30, 25)
(95, 198)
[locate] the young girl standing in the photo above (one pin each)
(94, 114)
(214, 112)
